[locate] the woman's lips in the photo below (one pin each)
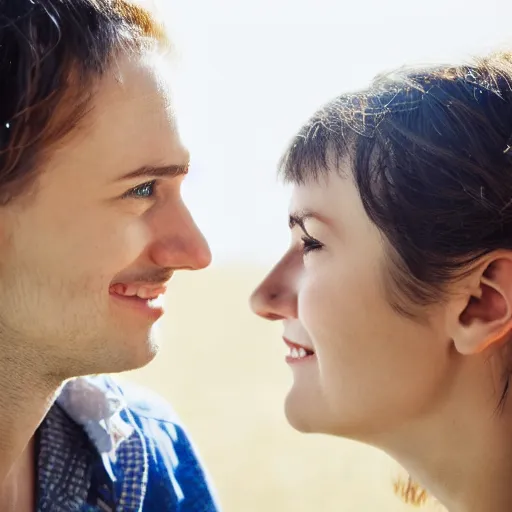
(298, 353)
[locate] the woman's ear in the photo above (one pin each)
(482, 316)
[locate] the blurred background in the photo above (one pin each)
(247, 75)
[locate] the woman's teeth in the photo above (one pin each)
(298, 353)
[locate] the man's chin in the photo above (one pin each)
(126, 353)
(139, 353)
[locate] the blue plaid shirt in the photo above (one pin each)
(103, 447)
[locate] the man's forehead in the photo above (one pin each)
(128, 126)
(135, 81)
(139, 104)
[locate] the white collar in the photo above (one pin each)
(98, 410)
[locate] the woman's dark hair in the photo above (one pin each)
(51, 51)
(429, 150)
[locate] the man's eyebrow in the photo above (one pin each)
(166, 171)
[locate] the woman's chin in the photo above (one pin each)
(299, 415)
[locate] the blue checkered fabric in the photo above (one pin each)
(65, 454)
(132, 457)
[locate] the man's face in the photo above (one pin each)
(79, 258)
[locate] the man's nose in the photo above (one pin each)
(179, 243)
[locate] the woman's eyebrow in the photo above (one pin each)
(299, 217)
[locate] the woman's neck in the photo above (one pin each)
(462, 452)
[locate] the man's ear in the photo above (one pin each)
(482, 315)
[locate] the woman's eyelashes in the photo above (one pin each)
(310, 244)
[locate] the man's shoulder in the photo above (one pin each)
(171, 451)
(176, 478)
(139, 400)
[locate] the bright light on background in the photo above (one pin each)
(252, 71)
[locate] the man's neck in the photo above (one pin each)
(25, 399)
(18, 491)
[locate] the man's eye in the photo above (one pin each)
(144, 191)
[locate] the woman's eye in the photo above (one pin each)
(144, 191)
(310, 244)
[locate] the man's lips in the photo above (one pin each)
(142, 297)
(142, 290)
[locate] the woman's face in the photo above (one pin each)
(364, 369)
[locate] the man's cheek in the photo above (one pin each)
(130, 241)
(107, 248)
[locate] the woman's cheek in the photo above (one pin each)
(318, 306)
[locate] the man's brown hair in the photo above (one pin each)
(51, 54)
